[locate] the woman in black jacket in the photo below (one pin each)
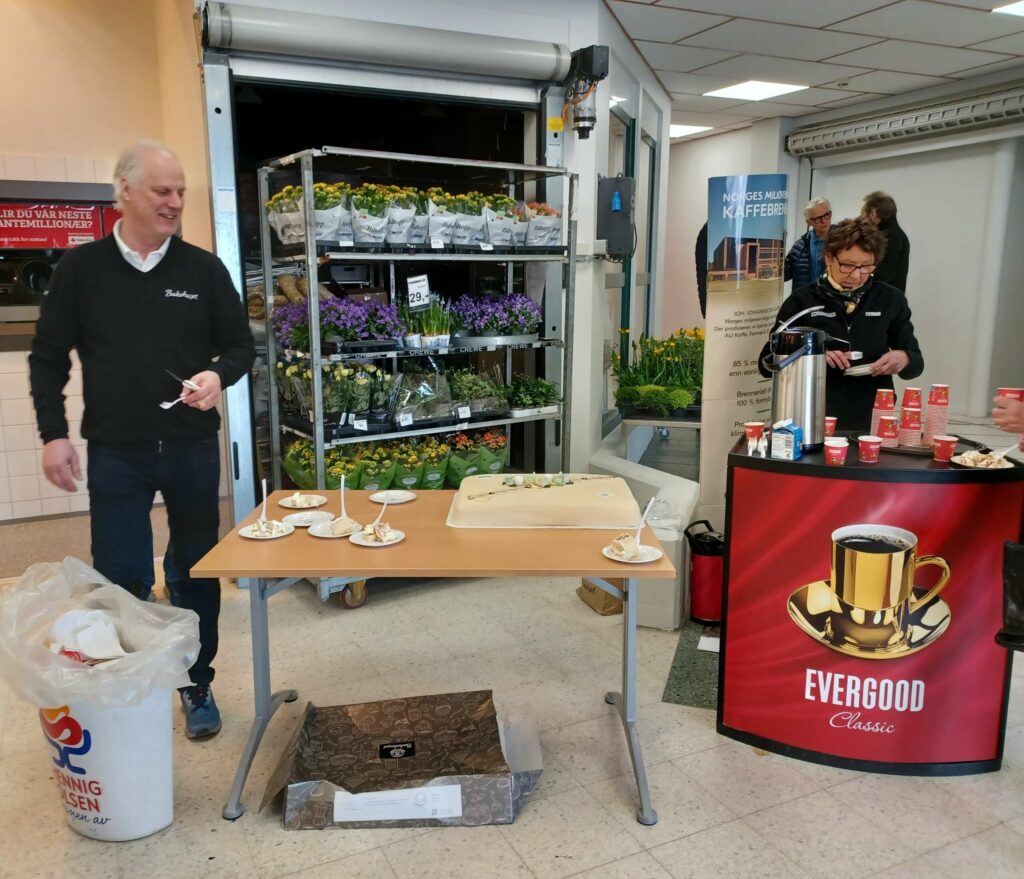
(871, 315)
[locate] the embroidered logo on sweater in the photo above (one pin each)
(179, 294)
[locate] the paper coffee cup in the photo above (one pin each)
(945, 446)
(830, 426)
(835, 451)
(753, 429)
(868, 448)
(885, 398)
(1012, 393)
(911, 398)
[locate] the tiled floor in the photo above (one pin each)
(726, 810)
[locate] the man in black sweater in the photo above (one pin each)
(879, 208)
(138, 306)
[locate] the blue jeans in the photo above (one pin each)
(123, 479)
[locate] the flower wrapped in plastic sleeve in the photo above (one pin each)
(161, 641)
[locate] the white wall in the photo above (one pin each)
(953, 205)
(1008, 347)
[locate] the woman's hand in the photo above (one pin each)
(838, 359)
(891, 363)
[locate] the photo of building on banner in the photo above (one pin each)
(746, 249)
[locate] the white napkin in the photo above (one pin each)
(90, 633)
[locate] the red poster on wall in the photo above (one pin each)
(45, 226)
(110, 216)
(861, 615)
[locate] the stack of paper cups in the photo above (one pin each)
(937, 416)
(885, 404)
(910, 426)
(888, 431)
(911, 398)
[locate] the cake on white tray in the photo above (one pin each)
(572, 500)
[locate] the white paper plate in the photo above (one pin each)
(291, 505)
(393, 496)
(307, 518)
(862, 369)
(647, 554)
(323, 529)
(359, 539)
(249, 531)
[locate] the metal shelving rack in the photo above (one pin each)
(310, 254)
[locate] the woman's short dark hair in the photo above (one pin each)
(855, 233)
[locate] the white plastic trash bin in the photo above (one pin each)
(113, 767)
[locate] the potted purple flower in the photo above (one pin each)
(344, 324)
(501, 320)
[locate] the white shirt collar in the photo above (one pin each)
(133, 257)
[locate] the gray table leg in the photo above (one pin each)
(266, 702)
(626, 702)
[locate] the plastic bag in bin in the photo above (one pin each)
(161, 642)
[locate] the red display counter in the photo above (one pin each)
(859, 611)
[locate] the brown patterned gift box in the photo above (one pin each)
(423, 761)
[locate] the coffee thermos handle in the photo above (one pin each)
(704, 522)
(938, 587)
(772, 366)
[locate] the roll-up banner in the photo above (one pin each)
(746, 248)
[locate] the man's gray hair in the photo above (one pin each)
(129, 165)
(814, 203)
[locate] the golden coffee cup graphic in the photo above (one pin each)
(870, 606)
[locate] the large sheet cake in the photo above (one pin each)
(584, 501)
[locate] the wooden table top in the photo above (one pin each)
(430, 548)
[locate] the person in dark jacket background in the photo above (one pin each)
(869, 314)
(805, 260)
(700, 257)
(880, 208)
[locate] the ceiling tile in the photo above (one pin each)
(687, 117)
(856, 99)
(809, 14)
(990, 68)
(782, 40)
(691, 83)
(917, 58)
(931, 23)
(659, 23)
(1014, 44)
(706, 105)
(812, 97)
(889, 83)
(769, 109)
(985, 5)
(780, 70)
(679, 58)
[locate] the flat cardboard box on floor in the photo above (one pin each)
(422, 761)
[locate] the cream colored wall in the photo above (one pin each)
(84, 78)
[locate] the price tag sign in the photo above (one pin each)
(346, 242)
(359, 423)
(419, 292)
(437, 244)
(492, 347)
(463, 412)
(463, 426)
(405, 419)
(486, 246)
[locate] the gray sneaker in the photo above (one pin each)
(202, 717)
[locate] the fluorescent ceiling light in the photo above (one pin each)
(614, 100)
(1012, 8)
(755, 90)
(683, 130)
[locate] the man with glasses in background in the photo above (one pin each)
(805, 260)
(870, 314)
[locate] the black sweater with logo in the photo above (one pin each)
(129, 327)
(880, 323)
